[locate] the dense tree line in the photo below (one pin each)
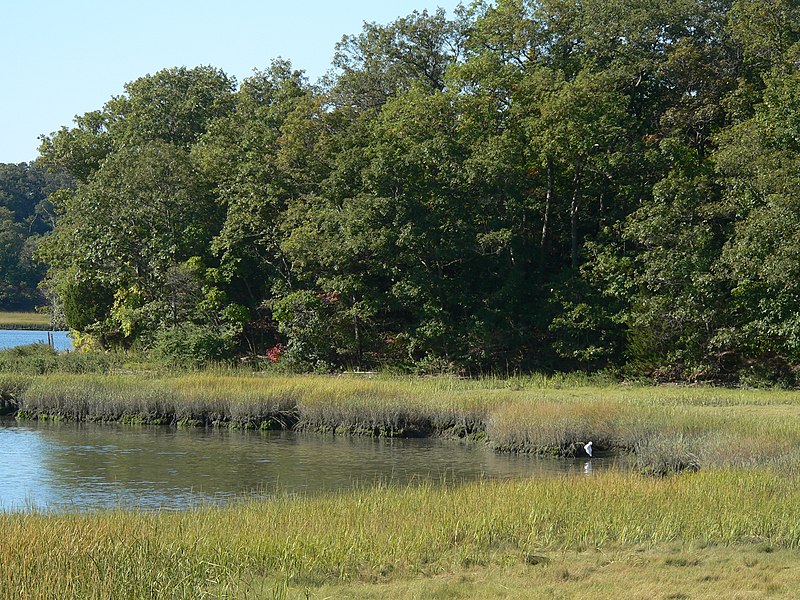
(529, 184)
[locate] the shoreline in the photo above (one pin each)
(28, 327)
(25, 321)
(323, 404)
(707, 530)
(665, 429)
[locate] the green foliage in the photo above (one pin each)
(189, 345)
(678, 302)
(85, 303)
(525, 185)
(25, 214)
(384, 61)
(308, 320)
(765, 29)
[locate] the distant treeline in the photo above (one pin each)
(25, 215)
(528, 185)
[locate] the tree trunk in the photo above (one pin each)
(573, 213)
(548, 200)
(357, 334)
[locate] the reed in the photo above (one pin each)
(664, 429)
(387, 534)
(190, 399)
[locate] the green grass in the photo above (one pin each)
(24, 320)
(665, 572)
(729, 530)
(38, 359)
(414, 536)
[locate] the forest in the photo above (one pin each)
(524, 185)
(25, 215)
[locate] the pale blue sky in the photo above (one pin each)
(66, 57)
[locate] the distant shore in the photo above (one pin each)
(26, 321)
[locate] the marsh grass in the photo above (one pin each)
(39, 359)
(388, 534)
(746, 495)
(24, 320)
(190, 399)
(628, 573)
(665, 429)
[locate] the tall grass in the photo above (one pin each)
(39, 359)
(666, 429)
(385, 533)
(193, 399)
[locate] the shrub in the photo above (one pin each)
(190, 345)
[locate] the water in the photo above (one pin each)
(78, 466)
(13, 337)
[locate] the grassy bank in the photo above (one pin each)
(561, 533)
(24, 320)
(728, 530)
(665, 428)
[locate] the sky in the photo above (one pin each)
(62, 58)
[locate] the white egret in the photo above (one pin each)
(588, 449)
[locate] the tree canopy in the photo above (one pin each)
(26, 213)
(528, 184)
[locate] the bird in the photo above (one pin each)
(588, 449)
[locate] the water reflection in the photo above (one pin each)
(79, 466)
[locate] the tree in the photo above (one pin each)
(259, 158)
(532, 184)
(758, 162)
(175, 106)
(26, 215)
(385, 60)
(141, 209)
(143, 212)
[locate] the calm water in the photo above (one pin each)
(10, 338)
(84, 466)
